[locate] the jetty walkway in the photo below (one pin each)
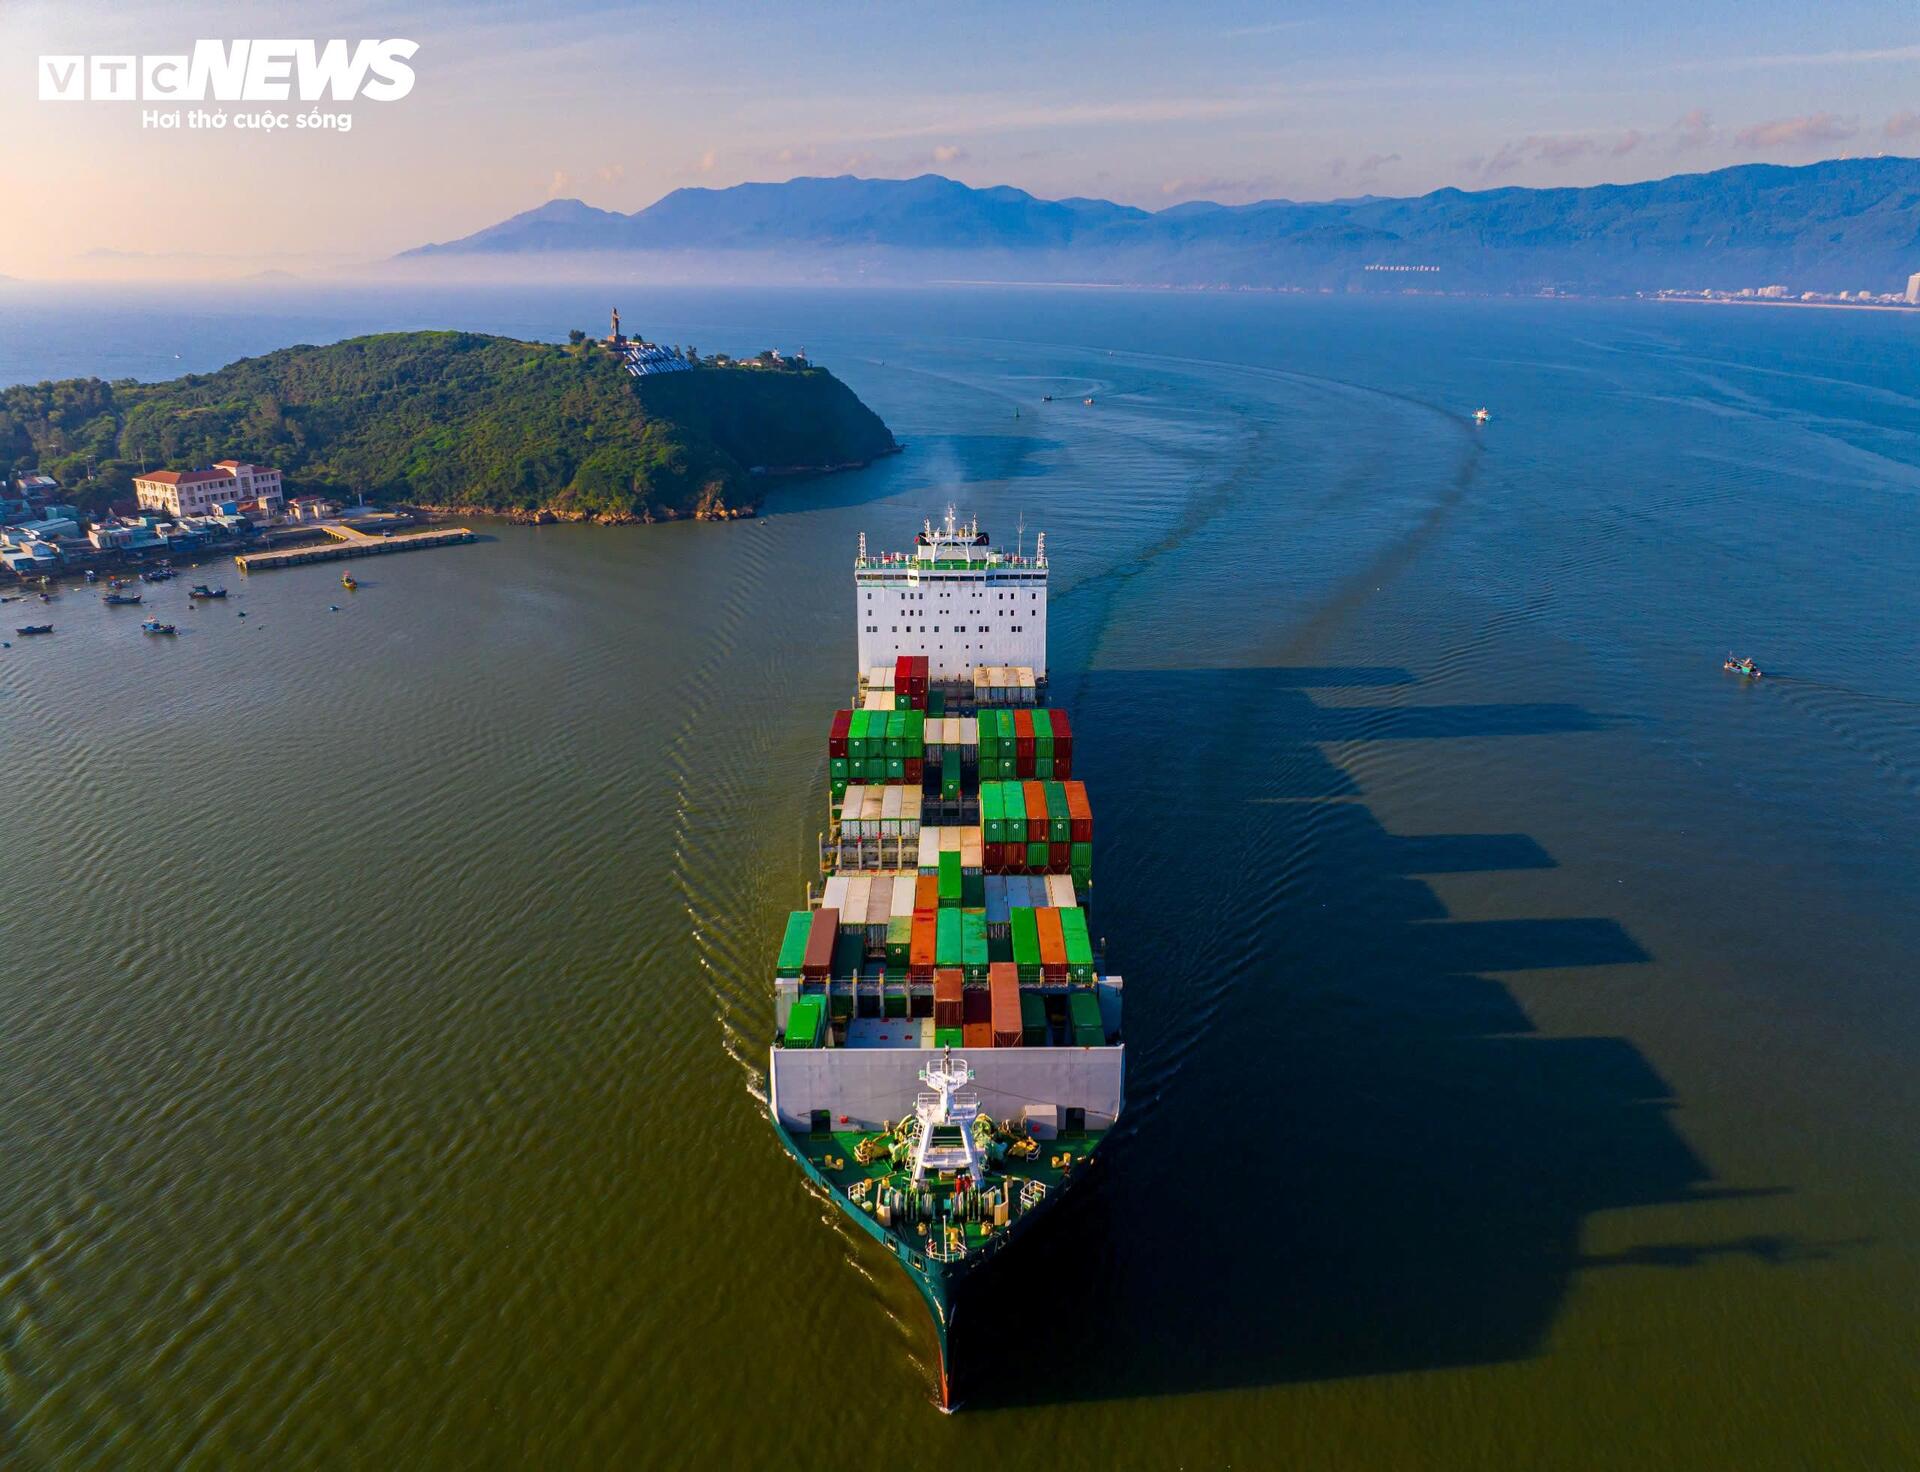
(350, 542)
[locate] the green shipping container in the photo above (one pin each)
(1073, 930)
(947, 1037)
(896, 769)
(1081, 856)
(849, 950)
(987, 737)
(1026, 942)
(1042, 734)
(1014, 806)
(936, 702)
(916, 734)
(993, 809)
(973, 891)
(857, 736)
(896, 1001)
(999, 947)
(897, 734)
(838, 767)
(899, 942)
(902, 701)
(1043, 767)
(840, 1003)
(974, 953)
(946, 939)
(1037, 858)
(803, 1022)
(1033, 1020)
(1059, 821)
(793, 945)
(1084, 1009)
(839, 788)
(951, 889)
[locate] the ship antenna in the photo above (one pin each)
(863, 549)
(1040, 550)
(1020, 540)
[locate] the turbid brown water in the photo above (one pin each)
(1520, 1010)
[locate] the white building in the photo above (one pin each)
(1913, 288)
(954, 599)
(252, 489)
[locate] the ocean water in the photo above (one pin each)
(1522, 1016)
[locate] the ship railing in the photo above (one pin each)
(1032, 1193)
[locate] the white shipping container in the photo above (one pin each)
(835, 895)
(854, 911)
(880, 901)
(1060, 891)
(902, 907)
(929, 848)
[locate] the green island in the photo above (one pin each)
(461, 421)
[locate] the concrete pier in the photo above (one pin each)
(349, 542)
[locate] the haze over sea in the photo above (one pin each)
(1521, 1018)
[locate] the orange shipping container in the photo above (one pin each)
(947, 997)
(926, 892)
(977, 1035)
(1053, 944)
(1003, 983)
(1035, 794)
(925, 935)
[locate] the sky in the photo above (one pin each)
(1149, 104)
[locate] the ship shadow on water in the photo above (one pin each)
(1347, 1151)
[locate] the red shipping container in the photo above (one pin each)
(1036, 798)
(903, 674)
(1062, 767)
(837, 738)
(978, 1005)
(1053, 944)
(818, 963)
(919, 677)
(1003, 986)
(1059, 858)
(1023, 743)
(926, 893)
(1062, 739)
(948, 1003)
(920, 954)
(1079, 812)
(977, 1035)
(993, 858)
(915, 769)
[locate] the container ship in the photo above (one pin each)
(948, 1056)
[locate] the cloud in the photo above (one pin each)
(610, 173)
(1693, 130)
(1813, 127)
(707, 162)
(1798, 58)
(1902, 125)
(1255, 186)
(1374, 162)
(1627, 142)
(562, 184)
(949, 153)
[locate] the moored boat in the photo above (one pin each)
(202, 591)
(154, 626)
(1744, 667)
(117, 600)
(26, 629)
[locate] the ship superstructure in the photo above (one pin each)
(948, 1056)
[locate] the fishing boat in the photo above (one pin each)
(116, 600)
(26, 629)
(201, 590)
(1481, 416)
(948, 1059)
(348, 581)
(1744, 667)
(158, 575)
(154, 626)
(118, 582)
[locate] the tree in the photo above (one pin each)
(576, 336)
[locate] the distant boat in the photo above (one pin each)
(1481, 416)
(1046, 398)
(115, 600)
(348, 582)
(1744, 667)
(154, 626)
(1089, 398)
(26, 629)
(201, 590)
(161, 575)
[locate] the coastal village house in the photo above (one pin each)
(249, 489)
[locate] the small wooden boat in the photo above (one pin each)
(117, 600)
(154, 626)
(1744, 667)
(161, 575)
(201, 590)
(1481, 416)
(26, 629)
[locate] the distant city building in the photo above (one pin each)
(1773, 293)
(249, 489)
(1913, 288)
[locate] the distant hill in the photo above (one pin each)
(456, 419)
(1846, 224)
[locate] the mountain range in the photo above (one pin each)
(1845, 224)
